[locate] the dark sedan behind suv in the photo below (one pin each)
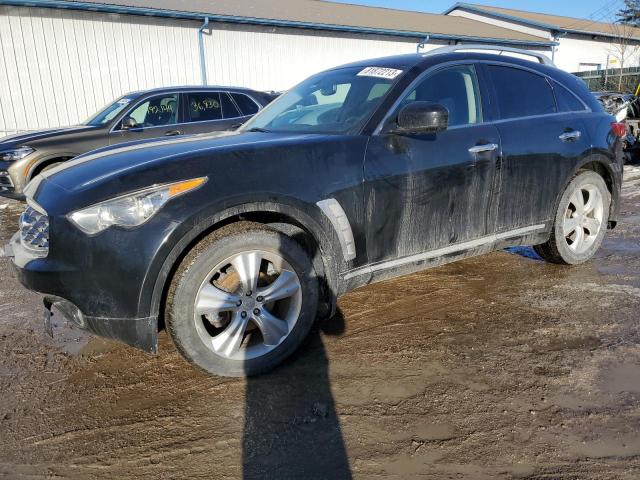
(237, 241)
(135, 116)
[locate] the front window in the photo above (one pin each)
(156, 111)
(454, 88)
(109, 112)
(337, 101)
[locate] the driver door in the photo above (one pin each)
(156, 116)
(432, 190)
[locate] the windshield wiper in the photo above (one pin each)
(258, 129)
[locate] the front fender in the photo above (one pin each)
(309, 217)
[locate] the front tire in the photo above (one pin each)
(242, 300)
(580, 222)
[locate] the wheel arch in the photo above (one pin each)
(601, 165)
(314, 233)
(42, 163)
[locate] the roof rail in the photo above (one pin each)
(543, 59)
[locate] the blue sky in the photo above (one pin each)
(598, 10)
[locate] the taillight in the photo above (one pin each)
(619, 129)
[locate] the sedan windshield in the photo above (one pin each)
(109, 112)
(337, 101)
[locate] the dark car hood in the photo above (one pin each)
(33, 138)
(112, 163)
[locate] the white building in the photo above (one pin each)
(583, 44)
(62, 60)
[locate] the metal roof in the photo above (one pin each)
(554, 23)
(309, 14)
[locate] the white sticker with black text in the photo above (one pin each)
(380, 72)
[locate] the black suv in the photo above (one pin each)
(237, 241)
(135, 116)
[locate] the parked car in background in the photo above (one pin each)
(139, 115)
(237, 241)
(626, 108)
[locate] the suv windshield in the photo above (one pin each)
(336, 102)
(109, 112)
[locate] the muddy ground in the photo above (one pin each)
(496, 367)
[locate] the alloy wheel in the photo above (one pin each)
(248, 305)
(583, 218)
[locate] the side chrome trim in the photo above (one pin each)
(334, 212)
(443, 251)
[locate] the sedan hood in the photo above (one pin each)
(33, 138)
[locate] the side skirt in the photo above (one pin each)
(532, 235)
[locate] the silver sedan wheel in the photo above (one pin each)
(583, 218)
(248, 305)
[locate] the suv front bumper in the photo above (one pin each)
(141, 333)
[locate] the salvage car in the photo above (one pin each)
(135, 116)
(236, 242)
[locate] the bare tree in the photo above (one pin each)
(624, 48)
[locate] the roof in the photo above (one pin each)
(313, 14)
(555, 23)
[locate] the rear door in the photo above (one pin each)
(210, 111)
(428, 191)
(542, 141)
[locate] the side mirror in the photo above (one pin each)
(128, 123)
(422, 117)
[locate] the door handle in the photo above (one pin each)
(173, 133)
(487, 147)
(570, 136)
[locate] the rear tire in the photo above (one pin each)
(580, 222)
(242, 300)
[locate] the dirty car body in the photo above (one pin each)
(368, 199)
(171, 111)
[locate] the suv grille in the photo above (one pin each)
(34, 231)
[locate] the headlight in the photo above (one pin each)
(130, 210)
(16, 154)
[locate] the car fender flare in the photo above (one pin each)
(309, 218)
(607, 163)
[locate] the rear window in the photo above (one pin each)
(245, 104)
(521, 93)
(567, 101)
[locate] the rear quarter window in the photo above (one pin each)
(567, 101)
(245, 104)
(521, 93)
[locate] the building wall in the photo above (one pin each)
(57, 66)
(574, 52)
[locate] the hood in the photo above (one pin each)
(33, 138)
(160, 160)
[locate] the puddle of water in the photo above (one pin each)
(576, 343)
(608, 447)
(526, 252)
(620, 245)
(621, 378)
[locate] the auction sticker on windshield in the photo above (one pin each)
(380, 72)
